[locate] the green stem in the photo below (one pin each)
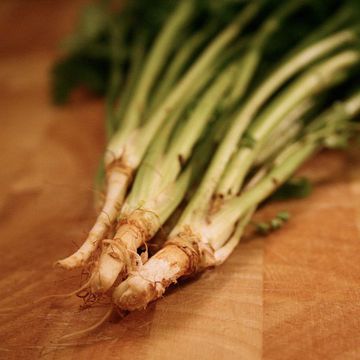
(237, 206)
(315, 80)
(159, 54)
(182, 145)
(288, 129)
(136, 63)
(342, 17)
(196, 71)
(253, 55)
(172, 195)
(286, 163)
(177, 66)
(152, 173)
(289, 69)
(223, 251)
(117, 37)
(352, 105)
(142, 138)
(229, 144)
(148, 174)
(176, 190)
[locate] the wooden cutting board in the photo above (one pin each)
(292, 295)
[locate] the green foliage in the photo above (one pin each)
(336, 141)
(150, 14)
(94, 21)
(295, 188)
(88, 49)
(264, 228)
(87, 55)
(75, 71)
(248, 141)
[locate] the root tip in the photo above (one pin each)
(89, 329)
(133, 294)
(67, 264)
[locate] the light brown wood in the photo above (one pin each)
(300, 299)
(312, 269)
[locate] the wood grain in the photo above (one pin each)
(298, 299)
(312, 269)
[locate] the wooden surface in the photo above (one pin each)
(292, 295)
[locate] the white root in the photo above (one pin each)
(118, 179)
(120, 254)
(183, 255)
(43, 299)
(90, 328)
(147, 284)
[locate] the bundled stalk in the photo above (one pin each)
(215, 120)
(128, 145)
(207, 242)
(142, 216)
(207, 222)
(158, 188)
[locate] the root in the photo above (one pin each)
(119, 255)
(44, 299)
(184, 255)
(200, 255)
(118, 178)
(89, 298)
(90, 328)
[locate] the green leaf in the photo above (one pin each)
(94, 21)
(336, 141)
(248, 141)
(283, 215)
(264, 228)
(70, 73)
(293, 189)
